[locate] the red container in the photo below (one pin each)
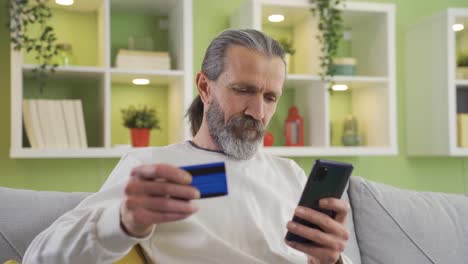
(268, 139)
(293, 128)
(140, 137)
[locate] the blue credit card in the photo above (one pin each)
(209, 179)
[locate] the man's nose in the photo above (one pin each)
(256, 108)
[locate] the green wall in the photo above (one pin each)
(63, 21)
(211, 17)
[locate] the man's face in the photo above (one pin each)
(243, 99)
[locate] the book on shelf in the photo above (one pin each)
(462, 129)
(78, 109)
(143, 60)
(143, 53)
(71, 124)
(57, 124)
(44, 120)
(32, 124)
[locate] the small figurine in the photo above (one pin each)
(350, 132)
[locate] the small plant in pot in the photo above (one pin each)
(289, 50)
(140, 120)
(462, 66)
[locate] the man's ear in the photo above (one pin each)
(203, 87)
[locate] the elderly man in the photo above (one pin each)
(147, 199)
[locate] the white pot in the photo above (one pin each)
(462, 73)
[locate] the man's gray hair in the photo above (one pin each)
(213, 63)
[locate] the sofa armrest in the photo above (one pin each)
(26, 213)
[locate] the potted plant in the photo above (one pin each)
(140, 120)
(331, 26)
(24, 16)
(462, 66)
(289, 50)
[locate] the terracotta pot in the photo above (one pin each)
(140, 137)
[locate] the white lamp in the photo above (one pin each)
(275, 18)
(457, 27)
(340, 87)
(140, 81)
(64, 2)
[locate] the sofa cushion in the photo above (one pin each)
(352, 247)
(400, 226)
(25, 213)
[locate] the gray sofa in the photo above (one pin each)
(388, 225)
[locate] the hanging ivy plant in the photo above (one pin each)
(331, 26)
(25, 14)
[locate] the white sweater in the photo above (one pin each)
(246, 226)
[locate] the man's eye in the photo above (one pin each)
(240, 90)
(271, 98)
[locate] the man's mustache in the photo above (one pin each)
(248, 122)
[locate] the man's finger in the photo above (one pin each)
(160, 204)
(137, 186)
(325, 255)
(316, 235)
(162, 171)
(339, 206)
(328, 224)
(146, 217)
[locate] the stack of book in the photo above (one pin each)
(148, 60)
(54, 123)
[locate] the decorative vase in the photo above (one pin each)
(140, 137)
(350, 132)
(268, 139)
(293, 128)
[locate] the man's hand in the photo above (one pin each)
(156, 194)
(332, 239)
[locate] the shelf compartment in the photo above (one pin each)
(87, 39)
(68, 85)
(310, 99)
(369, 24)
(160, 21)
(369, 104)
(164, 93)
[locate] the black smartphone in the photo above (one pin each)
(327, 179)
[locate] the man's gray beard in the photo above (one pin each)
(242, 145)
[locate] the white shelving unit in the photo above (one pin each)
(178, 80)
(372, 94)
(434, 95)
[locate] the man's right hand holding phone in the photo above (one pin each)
(156, 193)
(332, 239)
